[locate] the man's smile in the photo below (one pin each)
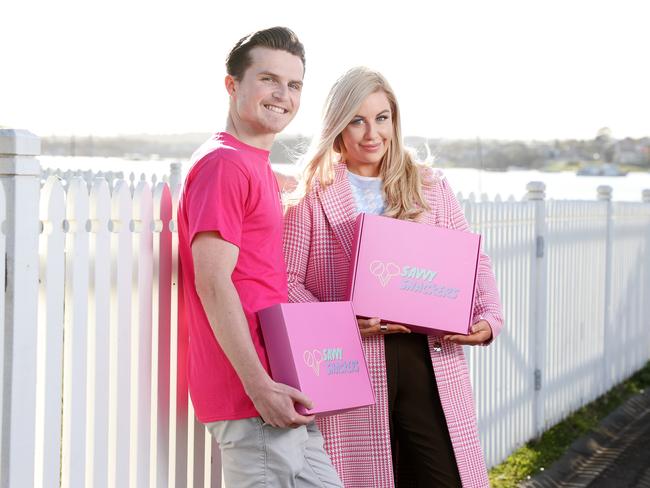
(276, 109)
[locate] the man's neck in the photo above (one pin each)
(248, 136)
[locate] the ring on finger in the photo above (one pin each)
(383, 327)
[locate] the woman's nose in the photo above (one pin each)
(371, 130)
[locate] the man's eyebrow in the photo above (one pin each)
(273, 75)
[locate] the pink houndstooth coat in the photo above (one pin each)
(317, 244)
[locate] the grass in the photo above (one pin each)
(538, 454)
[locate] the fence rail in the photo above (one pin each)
(90, 317)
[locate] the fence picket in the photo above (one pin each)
(162, 276)
(179, 407)
(141, 333)
(216, 480)
(197, 475)
(50, 335)
(3, 257)
(99, 334)
(119, 420)
(73, 456)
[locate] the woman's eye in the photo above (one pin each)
(382, 118)
(356, 121)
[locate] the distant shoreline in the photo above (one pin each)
(496, 155)
(559, 184)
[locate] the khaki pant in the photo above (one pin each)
(254, 454)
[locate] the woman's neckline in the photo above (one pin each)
(363, 178)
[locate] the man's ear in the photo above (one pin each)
(230, 84)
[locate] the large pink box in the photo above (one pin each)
(414, 274)
(316, 348)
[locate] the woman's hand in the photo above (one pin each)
(373, 327)
(481, 333)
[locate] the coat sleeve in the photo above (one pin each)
(297, 242)
(487, 304)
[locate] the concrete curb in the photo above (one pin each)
(587, 458)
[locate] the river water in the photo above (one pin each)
(562, 185)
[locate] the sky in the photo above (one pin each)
(461, 69)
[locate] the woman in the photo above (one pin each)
(423, 424)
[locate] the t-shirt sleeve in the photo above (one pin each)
(216, 200)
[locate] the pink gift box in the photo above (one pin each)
(414, 274)
(316, 348)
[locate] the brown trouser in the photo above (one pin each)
(422, 452)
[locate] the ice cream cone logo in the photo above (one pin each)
(313, 360)
(384, 272)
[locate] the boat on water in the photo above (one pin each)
(606, 169)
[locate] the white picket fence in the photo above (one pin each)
(94, 390)
(574, 278)
(112, 177)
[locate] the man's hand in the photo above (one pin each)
(275, 404)
(481, 333)
(373, 327)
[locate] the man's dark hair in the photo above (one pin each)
(279, 38)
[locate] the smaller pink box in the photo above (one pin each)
(316, 348)
(414, 274)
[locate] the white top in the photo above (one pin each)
(367, 192)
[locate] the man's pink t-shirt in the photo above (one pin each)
(232, 190)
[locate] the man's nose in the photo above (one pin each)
(281, 91)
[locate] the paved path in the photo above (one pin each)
(614, 455)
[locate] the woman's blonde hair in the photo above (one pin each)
(402, 183)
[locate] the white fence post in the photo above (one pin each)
(536, 194)
(605, 195)
(20, 175)
(645, 196)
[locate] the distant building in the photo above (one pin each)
(629, 151)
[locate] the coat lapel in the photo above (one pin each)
(340, 208)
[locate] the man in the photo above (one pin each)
(230, 241)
